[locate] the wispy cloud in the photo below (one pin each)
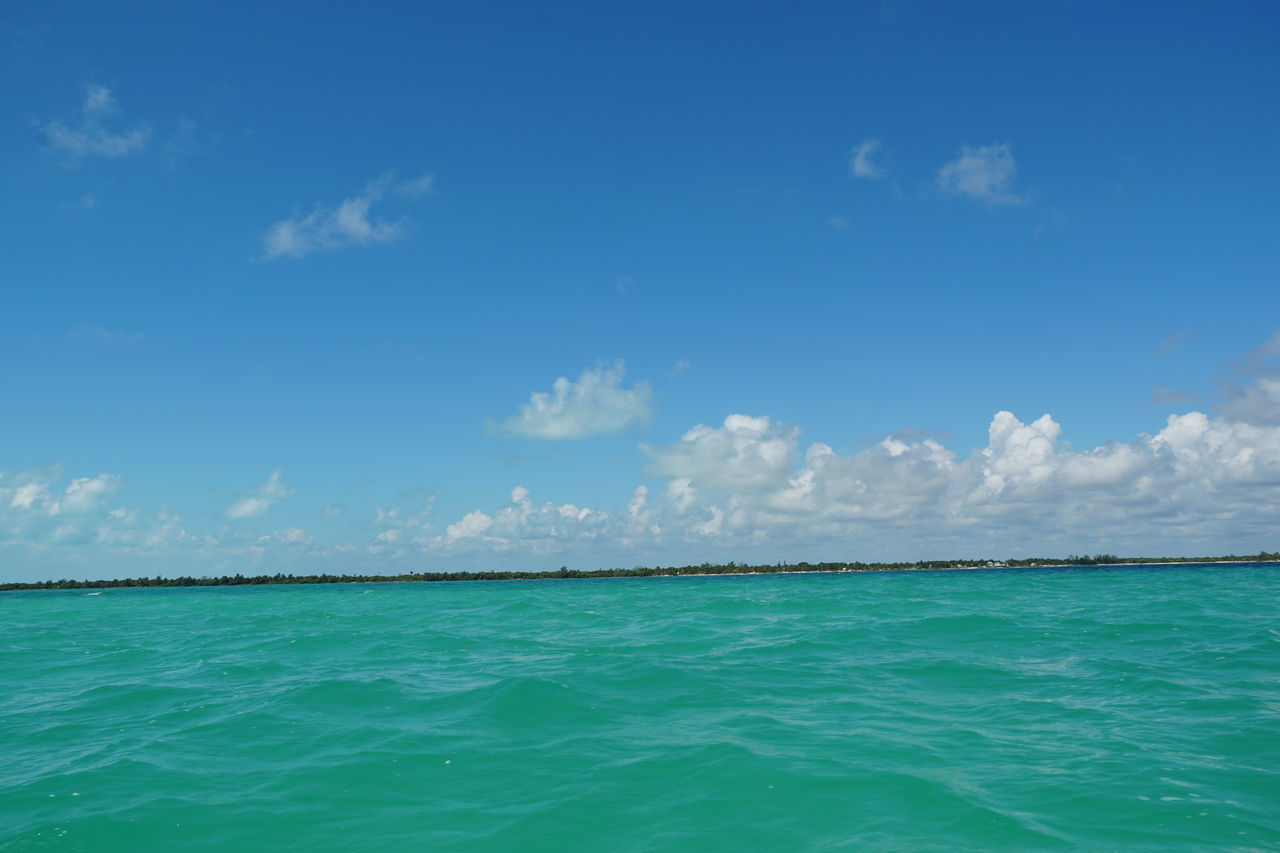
(1257, 401)
(596, 404)
(983, 174)
(1261, 356)
(860, 163)
(349, 223)
(257, 501)
(1163, 395)
(90, 134)
(288, 536)
(417, 187)
(1172, 343)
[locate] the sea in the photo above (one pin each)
(1047, 709)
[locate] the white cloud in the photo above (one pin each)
(536, 528)
(288, 536)
(90, 135)
(398, 524)
(1199, 485)
(984, 173)
(746, 454)
(25, 495)
(640, 522)
(31, 495)
(85, 493)
(1197, 477)
(470, 526)
(860, 162)
(272, 490)
(349, 223)
(35, 509)
(596, 404)
(1019, 454)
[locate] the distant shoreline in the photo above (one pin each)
(976, 568)
(731, 569)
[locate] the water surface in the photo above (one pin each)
(1128, 709)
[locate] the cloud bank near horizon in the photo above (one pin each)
(749, 486)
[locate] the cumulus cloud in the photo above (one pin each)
(84, 494)
(36, 507)
(272, 490)
(1199, 484)
(596, 404)
(985, 174)
(470, 526)
(33, 494)
(745, 454)
(534, 528)
(1197, 477)
(348, 223)
(860, 163)
(91, 134)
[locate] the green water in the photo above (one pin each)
(1028, 710)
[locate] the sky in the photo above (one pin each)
(517, 286)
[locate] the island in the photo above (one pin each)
(702, 569)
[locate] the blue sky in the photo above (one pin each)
(282, 289)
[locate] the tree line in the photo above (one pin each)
(730, 568)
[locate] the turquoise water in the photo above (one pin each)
(1129, 709)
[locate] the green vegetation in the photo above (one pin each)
(730, 568)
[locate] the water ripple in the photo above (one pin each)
(1117, 710)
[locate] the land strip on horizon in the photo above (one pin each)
(701, 570)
